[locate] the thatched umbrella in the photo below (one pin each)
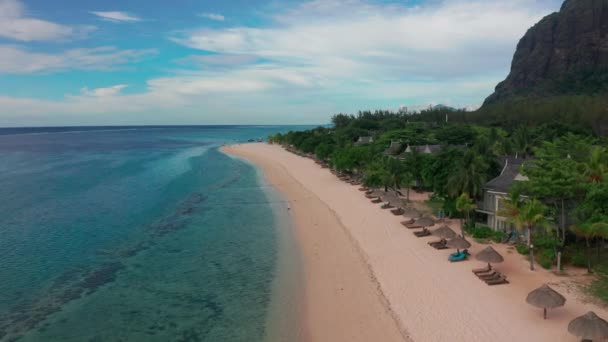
(589, 327)
(489, 255)
(412, 213)
(546, 298)
(459, 243)
(425, 222)
(444, 232)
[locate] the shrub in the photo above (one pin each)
(522, 249)
(546, 258)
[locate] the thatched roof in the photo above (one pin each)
(394, 149)
(489, 255)
(364, 140)
(510, 174)
(589, 327)
(545, 297)
(425, 222)
(412, 213)
(459, 243)
(444, 232)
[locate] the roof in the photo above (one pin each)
(364, 140)
(395, 148)
(429, 149)
(510, 174)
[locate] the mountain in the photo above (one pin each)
(566, 53)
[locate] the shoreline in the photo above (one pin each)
(333, 269)
(430, 298)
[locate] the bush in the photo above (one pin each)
(546, 258)
(484, 232)
(522, 249)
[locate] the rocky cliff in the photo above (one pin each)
(565, 53)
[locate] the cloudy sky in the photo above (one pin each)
(94, 62)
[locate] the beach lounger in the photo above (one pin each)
(413, 226)
(486, 269)
(458, 257)
(371, 196)
(363, 189)
(377, 200)
(501, 280)
(489, 276)
(422, 233)
(397, 212)
(441, 247)
(387, 206)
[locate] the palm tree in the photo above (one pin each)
(470, 176)
(596, 167)
(523, 141)
(590, 231)
(511, 206)
(531, 215)
(465, 205)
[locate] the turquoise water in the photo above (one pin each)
(123, 234)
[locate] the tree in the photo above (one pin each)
(511, 208)
(596, 167)
(469, 177)
(530, 216)
(589, 231)
(465, 205)
(556, 178)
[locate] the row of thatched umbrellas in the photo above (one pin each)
(588, 327)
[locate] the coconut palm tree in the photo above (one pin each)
(596, 167)
(465, 205)
(511, 206)
(469, 177)
(531, 215)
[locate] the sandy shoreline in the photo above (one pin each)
(366, 278)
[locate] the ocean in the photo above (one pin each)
(136, 234)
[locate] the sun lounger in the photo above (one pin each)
(370, 196)
(422, 233)
(387, 206)
(377, 200)
(486, 269)
(397, 212)
(458, 257)
(489, 276)
(501, 280)
(414, 226)
(363, 189)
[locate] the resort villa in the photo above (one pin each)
(496, 190)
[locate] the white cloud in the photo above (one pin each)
(116, 16)
(103, 92)
(322, 57)
(218, 60)
(14, 24)
(17, 60)
(212, 16)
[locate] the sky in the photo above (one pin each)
(149, 62)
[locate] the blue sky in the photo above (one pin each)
(85, 62)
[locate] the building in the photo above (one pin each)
(395, 148)
(426, 149)
(496, 190)
(364, 140)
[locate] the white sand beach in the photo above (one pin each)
(367, 278)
